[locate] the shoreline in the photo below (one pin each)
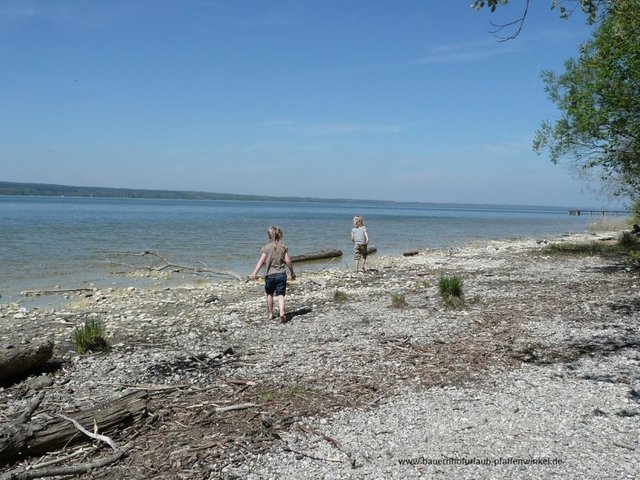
(113, 280)
(541, 361)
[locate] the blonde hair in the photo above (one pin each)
(275, 235)
(358, 221)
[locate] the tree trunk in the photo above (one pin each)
(19, 439)
(19, 360)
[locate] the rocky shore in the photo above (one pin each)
(536, 375)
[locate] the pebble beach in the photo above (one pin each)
(536, 375)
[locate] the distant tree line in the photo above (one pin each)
(52, 190)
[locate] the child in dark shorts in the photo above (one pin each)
(275, 257)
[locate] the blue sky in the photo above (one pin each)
(409, 100)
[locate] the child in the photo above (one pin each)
(275, 256)
(360, 239)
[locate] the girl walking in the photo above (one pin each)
(275, 257)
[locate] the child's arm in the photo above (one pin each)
(261, 260)
(289, 264)
(366, 236)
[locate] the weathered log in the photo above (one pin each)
(411, 253)
(24, 358)
(19, 440)
(305, 257)
(37, 293)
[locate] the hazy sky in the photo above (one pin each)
(410, 100)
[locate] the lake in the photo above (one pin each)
(63, 242)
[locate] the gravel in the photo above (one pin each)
(537, 375)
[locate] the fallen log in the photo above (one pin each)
(305, 257)
(411, 253)
(19, 439)
(37, 293)
(24, 358)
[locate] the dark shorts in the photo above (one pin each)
(276, 283)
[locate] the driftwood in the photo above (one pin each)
(411, 253)
(305, 257)
(19, 360)
(37, 293)
(42, 470)
(20, 439)
(168, 265)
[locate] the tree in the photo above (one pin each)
(589, 7)
(598, 96)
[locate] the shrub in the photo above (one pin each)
(633, 260)
(628, 240)
(635, 211)
(451, 290)
(339, 296)
(90, 337)
(590, 248)
(398, 300)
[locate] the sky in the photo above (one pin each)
(412, 100)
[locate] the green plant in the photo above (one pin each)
(90, 337)
(635, 211)
(450, 289)
(296, 391)
(633, 260)
(340, 296)
(590, 248)
(267, 394)
(628, 241)
(398, 300)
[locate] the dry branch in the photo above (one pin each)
(167, 264)
(241, 406)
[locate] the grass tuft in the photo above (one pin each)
(340, 296)
(450, 289)
(398, 300)
(90, 337)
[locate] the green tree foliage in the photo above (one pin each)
(598, 96)
(565, 7)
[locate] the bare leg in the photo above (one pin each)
(281, 306)
(357, 264)
(269, 306)
(364, 263)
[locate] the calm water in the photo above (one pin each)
(48, 242)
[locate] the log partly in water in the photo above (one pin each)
(323, 254)
(316, 255)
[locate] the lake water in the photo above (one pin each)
(62, 242)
